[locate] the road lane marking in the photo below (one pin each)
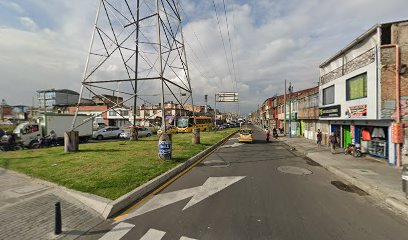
(118, 218)
(118, 231)
(211, 186)
(232, 145)
(153, 234)
(187, 238)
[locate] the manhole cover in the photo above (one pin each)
(294, 170)
(215, 163)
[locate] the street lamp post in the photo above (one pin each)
(290, 89)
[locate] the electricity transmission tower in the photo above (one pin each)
(136, 45)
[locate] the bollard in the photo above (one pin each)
(196, 136)
(405, 180)
(165, 146)
(58, 221)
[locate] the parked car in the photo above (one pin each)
(169, 130)
(108, 132)
(142, 132)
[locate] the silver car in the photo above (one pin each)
(142, 132)
(107, 132)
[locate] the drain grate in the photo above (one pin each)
(348, 188)
(214, 163)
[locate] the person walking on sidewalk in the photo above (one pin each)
(268, 133)
(333, 142)
(319, 138)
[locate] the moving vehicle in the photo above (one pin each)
(186, 124)
(245, 135)
(30, 132)
(107, 132)
(141, 131)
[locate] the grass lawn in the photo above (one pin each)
(107, 169)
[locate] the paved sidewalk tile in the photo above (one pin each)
(27, 210)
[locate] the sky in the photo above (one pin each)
(44, 44)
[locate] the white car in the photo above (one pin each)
(142, 132)
(107, 132)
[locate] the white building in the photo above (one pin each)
(354, 90)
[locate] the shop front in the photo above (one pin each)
(373, 136)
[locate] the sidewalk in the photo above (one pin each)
(27, 209)
(373, 176)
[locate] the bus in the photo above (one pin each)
(185, 124)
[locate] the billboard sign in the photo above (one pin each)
(227, 97)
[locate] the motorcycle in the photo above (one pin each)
(354, 150)
(45, 142)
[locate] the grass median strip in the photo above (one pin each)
(107, 169)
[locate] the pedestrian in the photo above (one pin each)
(333, 142)
(275, 133)
(268, 133)
(319, 138)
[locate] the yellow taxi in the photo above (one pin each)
(245, 135)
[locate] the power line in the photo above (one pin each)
(222, 38)
(229, 40)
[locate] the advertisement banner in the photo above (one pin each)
(332, 111)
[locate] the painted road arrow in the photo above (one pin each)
(209, 188)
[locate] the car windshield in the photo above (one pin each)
(182, 123)
(246, 131)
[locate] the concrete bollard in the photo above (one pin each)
(71, 141)
(196, 136)
(58, 220)
(165, 146)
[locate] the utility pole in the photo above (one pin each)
(215, 109)
(284, 110)
(206, 103)
(290, 109)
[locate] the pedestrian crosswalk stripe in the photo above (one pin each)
(118, 231)
(153, 234)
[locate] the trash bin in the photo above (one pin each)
(405, 180)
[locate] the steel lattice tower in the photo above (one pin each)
(136, 43)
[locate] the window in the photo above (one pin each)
(112, 113)
(356, 87)
(125, 113)
(328, 95)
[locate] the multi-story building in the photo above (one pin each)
(364, 89)
(50, 100)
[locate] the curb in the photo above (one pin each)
(395, 204)
(124, 201)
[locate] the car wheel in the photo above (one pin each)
(148, 135)
(99, 137)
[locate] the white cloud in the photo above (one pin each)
(12, 6)
(28, 23)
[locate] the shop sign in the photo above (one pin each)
(357, 111)
(332, 111)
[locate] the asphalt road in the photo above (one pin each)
(256, 191)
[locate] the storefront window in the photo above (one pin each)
(356, 87)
